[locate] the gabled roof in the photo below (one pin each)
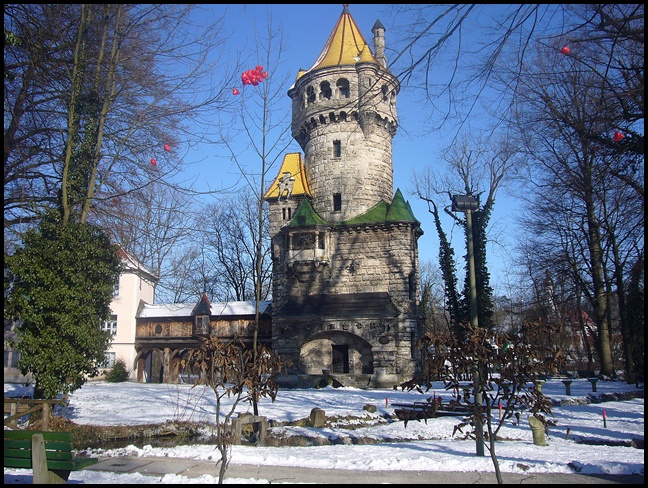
(293, 164)
(132, 264)
(306, 215)
(398, 211)
(345, 45)
(203, 307)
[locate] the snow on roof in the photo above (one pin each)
(217, 309)
(133, 264)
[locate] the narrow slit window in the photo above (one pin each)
(337, 202)
(337, 149)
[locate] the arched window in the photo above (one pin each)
(310, 95)
(385, 94)
(343, 88)
(325, 90)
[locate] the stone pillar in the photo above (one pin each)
(567, 384)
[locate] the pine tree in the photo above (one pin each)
(119, 372)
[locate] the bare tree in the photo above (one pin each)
(432, 301)
(520, 360)
(562, 112)
(101, 100)
(231, 235)
(157, 224)
(475, 168)
(269, 135)
(231, 370)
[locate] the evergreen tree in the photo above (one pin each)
(482, 276)
(58, 285)
(118, 373)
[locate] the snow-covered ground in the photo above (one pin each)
(579, 442)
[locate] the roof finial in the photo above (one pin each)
(346, 8)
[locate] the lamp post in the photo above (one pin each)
(466, 204)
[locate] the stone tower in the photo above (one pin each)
(344, 245)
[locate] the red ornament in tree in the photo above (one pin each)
(617, 136)
(254, 76)
(565, 50)
(167, 148)
(153, 161)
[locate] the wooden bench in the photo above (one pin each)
(427, 410)
(47, 454)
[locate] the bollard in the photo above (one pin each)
(593, 381)
(538, 384)
(317, 418)
(567, 384)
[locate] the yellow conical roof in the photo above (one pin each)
(344, 45)
(293, 164)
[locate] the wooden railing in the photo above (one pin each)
(20, 407)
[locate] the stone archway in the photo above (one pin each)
(336, 351)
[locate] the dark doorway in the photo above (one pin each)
(340, 359)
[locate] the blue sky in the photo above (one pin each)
(306, 29)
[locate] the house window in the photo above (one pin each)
(11, 358)
(301, 242)
(308, 246)
(110, 359)
(343, 88)
(202, 324)
(337, 202)
(337, 149)
(111, 325)
(325, 92)
(115, 291)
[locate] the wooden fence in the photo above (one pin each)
(20, 407)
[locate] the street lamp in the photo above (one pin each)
(466, 204)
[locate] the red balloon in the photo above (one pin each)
(235, 92)
(253, 76)
(167, 148)
(153, 162)
(617, 136)
(565, 50)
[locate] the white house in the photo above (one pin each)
(136, 285)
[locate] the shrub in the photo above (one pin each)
(119, 373)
